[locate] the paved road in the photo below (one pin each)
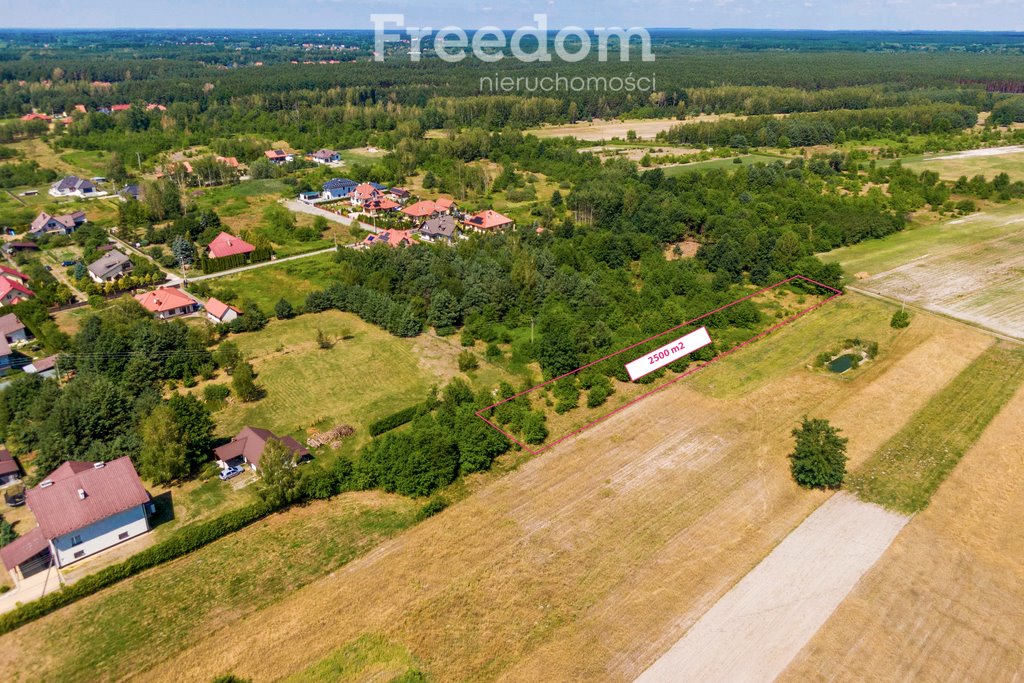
(303, 207)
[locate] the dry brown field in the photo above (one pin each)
(945, 603)
(590, 561)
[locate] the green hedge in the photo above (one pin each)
(181, 543)
(389, 422)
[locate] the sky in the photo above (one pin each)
(984, 15)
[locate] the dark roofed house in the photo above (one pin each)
(131, 191)
(44, 367)
(45, 224)
(82, 508)
(325, 156)
(339, 188)
(247, 447)
(19, 246)
(10, 473)
(438, 228)
(73, 186)
(111, 266)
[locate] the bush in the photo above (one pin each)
(819, 459)
(493, 352)
(431, 508)
(468, 361)
(216, 392)
(389, 422)
(900, 320)
(317, 483)
(283, 309)
(467, 339)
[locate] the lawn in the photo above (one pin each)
(725, 164)
(952, 165)
(147, 618)
(292, 280)
(366, 375)
(909, 468)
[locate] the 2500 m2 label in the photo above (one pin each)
(668, 353)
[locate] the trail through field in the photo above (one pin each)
(756, 629)
(987, 152)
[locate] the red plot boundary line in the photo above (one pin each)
(510, 437)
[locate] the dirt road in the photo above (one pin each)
(756, 629)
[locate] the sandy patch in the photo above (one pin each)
(756, 629)
(987, 152)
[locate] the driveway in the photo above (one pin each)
(32, 588)
(303, 207)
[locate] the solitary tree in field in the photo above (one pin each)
(819, 459)
(243, 383)
(900, 319)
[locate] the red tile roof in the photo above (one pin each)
(488, 220)
(7, 285)
(392, 238)
(444, 203)
(218, 308)
(226, 244)
(23, 548)
(251, 441)
(365, 191)
(421, 209)
(81, 494)
(121, 107)
(7, 270)
(164, 299)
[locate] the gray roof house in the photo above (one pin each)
(438, 228)
(45, 224)
(73, 186)
(110, 266)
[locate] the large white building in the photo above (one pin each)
(81, 508)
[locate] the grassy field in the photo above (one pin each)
(951, 166)
(138, 622)
(724, 164)
(292, 280)
(968, 268)
(369, 658)
(366, 375)
(945, 602)
(908, 470)
(580, 565)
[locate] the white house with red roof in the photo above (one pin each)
(13, 292)
(366, 192)
(392, 238)
(167, 302)
(81, 508)
(226, 244)
(279, 156)
(12, 274)
(488, 220)
(219, 312)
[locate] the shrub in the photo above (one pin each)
(389, 422)
(316, 483)
(283, 309)
(467, 339)
(468, 361)
(599, 392)
(431, 508)
(819, 459)
(493, 352)
(215, 393)
(900, 320)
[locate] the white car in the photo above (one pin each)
(232, 471)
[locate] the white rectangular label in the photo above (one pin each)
(672, 351)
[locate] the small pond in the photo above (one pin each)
(841, 364)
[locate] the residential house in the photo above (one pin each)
(487, 221)
(44, 367)
(131, 191)
(219, 312)
(339, 188)
(392, 238)
(111, 266)
(426, 208)
(45, 224)
(10, 473)
(439, 228)
(73, 186)
(159, 107)
(81, 508)
(311, 196)
(399, 194)
(36, 117)
(228, 161)
(325, 156)
(248, 446)
(167, 302)
(13, 292)
(379, 205)
(12, 274)
(279, 156)
(226, 244)
(365, 192)
(12, 330)
(6, 356)
(120, 107)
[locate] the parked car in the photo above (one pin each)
(230, 472)
(68, 263)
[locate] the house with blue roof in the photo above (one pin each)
(339, 188)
